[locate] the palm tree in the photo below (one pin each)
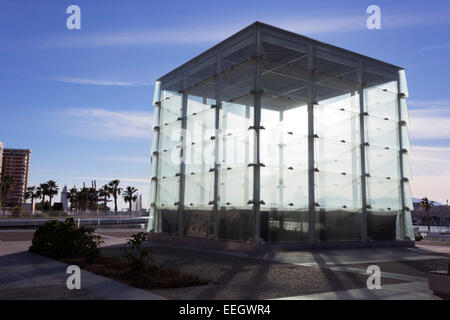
(52, 190)
(427, 205)
(32, 193)
(83, 197)
(72, 196)
(6, 186)
(44, 191)
(115, 191)
(105, 193)
(129, 195)
(92, 198)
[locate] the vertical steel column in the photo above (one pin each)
(218, 106)
(256, 124)
(183, 160)
(281, 146)
(362, 114)
(311, 185)
(403, 180)
(153, 225)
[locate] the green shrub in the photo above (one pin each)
(137, 258)
(56, 239)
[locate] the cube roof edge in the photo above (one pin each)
(247, 31)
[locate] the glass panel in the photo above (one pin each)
(168, 192)
(196, 104)
(235, 117)
(169, 136)
(235, 223)
(294, 151)
(381, 103)
(284, 188)
(270, 186)
(171, 105)
(404, 111)
(344, 101)
(382, 163)
(200, 126)
(336, 124)
(337, 157)
(199, 156)
(168, 220)
(236, 187)
(409, 230)
(381, 133)
(403, 83)
(383, 194)
(284, 225)
(406, 166)
(199, 142)
(405, 138)
(154, 167)
(199, 189)
(197, 222)
(408, 197)
(236, 149)
(169, 163)
(382, 225)
(338, 191)
(153, 186)
(295, 191)
(338, 224)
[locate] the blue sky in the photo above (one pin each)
(81, 100)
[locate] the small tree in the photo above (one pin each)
(129, 195)
(135, 257)
(427, 205)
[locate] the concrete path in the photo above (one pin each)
(24, 275)
(308, 274)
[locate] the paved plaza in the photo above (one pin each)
(316, 274)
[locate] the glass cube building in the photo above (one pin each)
(273, 137)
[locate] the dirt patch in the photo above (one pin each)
(152, 278)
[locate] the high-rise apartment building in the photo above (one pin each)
(16, 163)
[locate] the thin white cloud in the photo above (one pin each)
(127, 159)
(430, 168)
(135, 180)
(102, 82)
(433, 47)
(101, 124)
(429, 104)
(432, 122)
(210, 32)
